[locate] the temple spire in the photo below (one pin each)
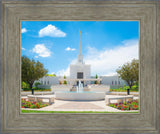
(80, 56)
(80, 43)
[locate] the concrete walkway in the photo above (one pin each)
(61, 105)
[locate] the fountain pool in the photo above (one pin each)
(79, 94)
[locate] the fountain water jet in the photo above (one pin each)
(79, 87)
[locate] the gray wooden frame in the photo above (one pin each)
(146, 12)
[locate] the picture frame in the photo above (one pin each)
(146, 12)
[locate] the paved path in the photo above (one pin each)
(60, 105)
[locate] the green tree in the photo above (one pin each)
(32, 70)
(64, 82)
(96, 77)
(51, 75)
(129, 72)
(36, 84)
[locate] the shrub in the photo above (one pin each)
(36, 84)
(64, 82)
(51, 75)
(24, 85)
(124, 89)
(36, 89)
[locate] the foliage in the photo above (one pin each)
(51, 75)
(36, 84)
(129, 72)
(28, 104)
(96, 77)
(24, 85)
(36, 89)
(64, 82)
(130, 105)
(32, 70)
(134, 88)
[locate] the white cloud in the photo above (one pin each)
(41, 50)
(51, 31)
(23, 48)
(36, 56)
(23, 30)
(70, 49)
(63, 72)
(105, 62)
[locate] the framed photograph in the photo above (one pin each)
(80, 66)
(102, 78)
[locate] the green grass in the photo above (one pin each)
(35, 111)
(122, 90)
(36, 89)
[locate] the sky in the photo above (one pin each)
(106, 45)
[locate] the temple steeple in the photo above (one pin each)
(80, 43)
(80, 56)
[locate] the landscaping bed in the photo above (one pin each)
(121, 90)
(35, 89)
(135, 88)
(130, 105)
(32, 105)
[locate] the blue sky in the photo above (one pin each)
(106, 45)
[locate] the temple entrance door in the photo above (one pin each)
(79, 75)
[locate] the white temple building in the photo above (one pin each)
(81, 71)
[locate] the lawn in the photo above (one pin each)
(36, 111)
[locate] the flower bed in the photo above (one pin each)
(130, 105)
(33, 105)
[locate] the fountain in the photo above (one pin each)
(79, 94)
(79, 87)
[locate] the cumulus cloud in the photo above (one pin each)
(105, 62)
(70, 49)
(51, 31)
(41, 50)
(23, 30)
(23, 48)
(63, 72)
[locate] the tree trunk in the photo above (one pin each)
(30, 86)
(128, 92)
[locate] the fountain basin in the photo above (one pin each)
(82, 96)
